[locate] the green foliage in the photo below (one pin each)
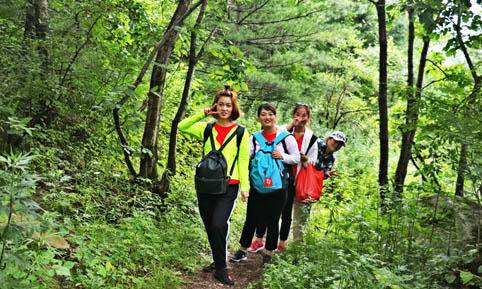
(133, 253)
(18, 212)
(78, 220)
(140, 251)
(324, 264)
(353, 244)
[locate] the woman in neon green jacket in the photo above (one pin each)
(215, 210)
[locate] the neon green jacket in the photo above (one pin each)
(195, 126)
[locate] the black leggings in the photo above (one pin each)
(263, 210)
(285, 217)
(215, 211)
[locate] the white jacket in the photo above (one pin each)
(312, 154)
(291, 158)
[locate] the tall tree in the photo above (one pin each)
(193, 59)
(37, 27)
(42, 24)
(382, 98)
(148, 166)
(413, 94)
(461, 10)
(29, 30)
(161, 52)
(401, 171)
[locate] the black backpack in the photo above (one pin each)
(211, 172)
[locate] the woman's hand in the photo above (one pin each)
(245, 196)
(303, 158)
(277, 155)
(210, 110)
(332, 174)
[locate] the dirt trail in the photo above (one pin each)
(243, 273)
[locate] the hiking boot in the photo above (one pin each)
(222, 276)
(240, 255)
(256, 246)
(209, 268)
(267, 259)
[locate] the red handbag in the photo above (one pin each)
(309, 184)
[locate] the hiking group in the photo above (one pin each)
(279, 171)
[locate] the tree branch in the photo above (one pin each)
(161, 43)
(77, 52)
(337, 117)
(424, 178)
(285, 19)
(297, 36)
(278, 42)
(439, 68)
(240, 22)
(201, 51)
(462, 43)
(434, 81)
(356, 110)
(419, 156)
(281, 65)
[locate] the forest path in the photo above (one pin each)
(243, 274)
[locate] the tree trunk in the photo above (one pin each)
(37, 26)
(405, 155)
(382, 99)
(229, 7)
(338, 114)
(166, 39)
(30, 19)
(413, 98)
(471, 100)
(193, 59)
(459, 186)
(42, 29)
(42, 25)
(148, 165)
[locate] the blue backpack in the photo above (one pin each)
(267, 174)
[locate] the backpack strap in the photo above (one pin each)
(289, 169)
(225, 143)
(258, 136)
(283, 141)
(284, 134)
(312, 142)
(208, 132)
(239, 137)
(285, 147)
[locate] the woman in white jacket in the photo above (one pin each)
(307, 146)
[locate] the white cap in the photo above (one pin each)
(338, 136)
